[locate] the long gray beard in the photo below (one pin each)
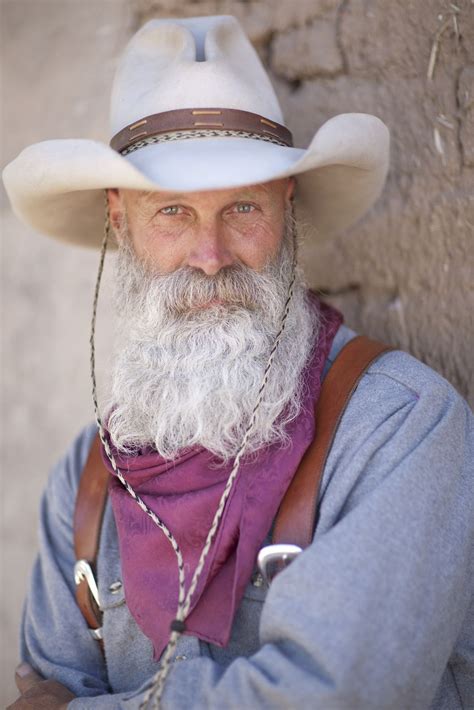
(187, 375)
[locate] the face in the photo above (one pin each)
(204, 230)
(202, 282)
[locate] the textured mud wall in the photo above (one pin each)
(405, 274)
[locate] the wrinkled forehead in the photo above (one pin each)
(267, 193)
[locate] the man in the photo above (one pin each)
(220, 355)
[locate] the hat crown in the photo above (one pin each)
(192, 62)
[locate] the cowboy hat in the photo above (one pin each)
(193, 109)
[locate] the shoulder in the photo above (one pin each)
(64, 479)
(397, 371)
(403, 416)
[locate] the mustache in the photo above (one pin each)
(188, 289)
(185, 375)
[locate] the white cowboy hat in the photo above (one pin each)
(193, 109)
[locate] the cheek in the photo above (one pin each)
(259, 243)
(158, 247)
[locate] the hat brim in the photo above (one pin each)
(57, 186)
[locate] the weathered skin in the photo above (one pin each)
(204, 230)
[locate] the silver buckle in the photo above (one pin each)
(96, 634)
(274, 558)
(83, 570)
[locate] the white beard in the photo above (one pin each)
(186, 375)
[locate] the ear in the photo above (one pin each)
(116, 211)
(290, 189)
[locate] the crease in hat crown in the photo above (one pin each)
(190, 63)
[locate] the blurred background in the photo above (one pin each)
(404, 275)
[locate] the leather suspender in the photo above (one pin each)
(297, 516)
(88, 515)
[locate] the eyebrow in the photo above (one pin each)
(245, 193)
(167, 197)
(250, 193)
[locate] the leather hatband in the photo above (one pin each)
(198, 119)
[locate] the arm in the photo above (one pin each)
(54, 636)
(36, 692)
(368, 615)
(55, 639)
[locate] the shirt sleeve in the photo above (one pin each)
(367, 616)
(54, 636)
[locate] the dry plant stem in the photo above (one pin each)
(435, 46)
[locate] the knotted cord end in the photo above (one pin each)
(178, 625)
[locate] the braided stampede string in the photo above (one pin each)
(155, 689)
(100, 427)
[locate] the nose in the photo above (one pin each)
(208, 250)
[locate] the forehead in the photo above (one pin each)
(265, 192)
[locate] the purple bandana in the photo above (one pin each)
(185, 493)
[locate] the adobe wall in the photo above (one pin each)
(405, 274)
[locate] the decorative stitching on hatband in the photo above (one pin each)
(208, 133)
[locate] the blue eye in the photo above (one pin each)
(245, 208)
(171, 210)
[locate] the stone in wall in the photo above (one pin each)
(306, 52)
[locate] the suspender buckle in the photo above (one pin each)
(87, 596)
(274, 558)
(97, 634)
(83, 570)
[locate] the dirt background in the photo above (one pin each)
(405, 274)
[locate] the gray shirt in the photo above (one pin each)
(377, 613)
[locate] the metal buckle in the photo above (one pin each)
(272, 559)
(96, 634)
(83, 570)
